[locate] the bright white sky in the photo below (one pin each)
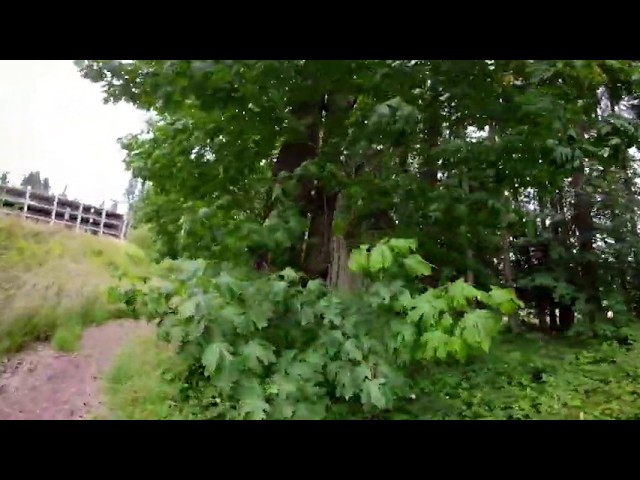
(54, 121)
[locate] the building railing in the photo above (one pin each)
(55, 209)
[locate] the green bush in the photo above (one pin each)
(277, 346)
(143, 238)
(522, 377)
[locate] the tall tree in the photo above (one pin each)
(501, 168)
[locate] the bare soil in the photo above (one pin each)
(42, 384)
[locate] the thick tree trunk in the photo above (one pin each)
(317, 253)
(560, 232)
(293, 153)
(433, 131)
(507, 273)
(323, 198)
(626, 281)
(340, 277)
(583, 222)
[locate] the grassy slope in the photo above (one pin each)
(53, 282)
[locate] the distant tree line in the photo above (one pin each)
(36, 182)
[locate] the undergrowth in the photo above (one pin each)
(533, 377)
(142, 383)
(524, 377)
(55, 280)
(279, 346)
(243, 346)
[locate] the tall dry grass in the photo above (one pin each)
(53, 279)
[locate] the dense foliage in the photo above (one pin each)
(270, 347)
(509, 173)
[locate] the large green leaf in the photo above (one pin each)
(381, 257)
(214, 355)
(416, 265)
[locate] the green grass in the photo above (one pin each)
(54, 281)
(67, 336)
(139, 385)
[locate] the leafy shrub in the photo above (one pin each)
(278, 346)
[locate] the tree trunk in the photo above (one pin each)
(507, 273)
(317, 252)
(429, 170)
(631, 200)
(340, 277)
(323, 198)
(583, 222)
(293, 153)
(560, 232)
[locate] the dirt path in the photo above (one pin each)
(42, 384)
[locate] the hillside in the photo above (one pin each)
(53, 282)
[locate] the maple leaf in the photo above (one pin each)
(417, 266)
(350, 350)
(403, 246)
(372, 392)
(332, 341)
(260, 313)
(505, 299)
(282, 385)
(381, 257)
(478, 327)
(257, 353)
(252, 404)
(228, 285)
(301, 369)
(189, 307)
(437, 344)
(289, 275)
(214, 354)
(362, 372)
(307, 315)
(427, 307)
(281, 409)
(359, 259)
(460, 293)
